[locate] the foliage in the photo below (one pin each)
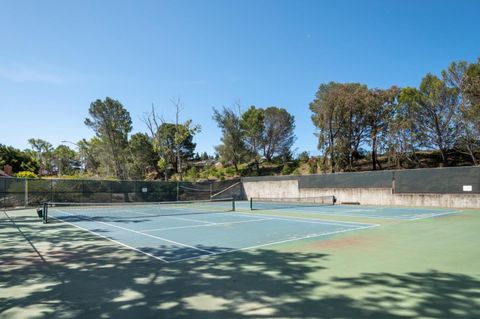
(19, 160)
(286, 169)
(111, 123)
(43, 152)
(394, 127)
(143, 159)
(339, 113)
(26, 174)
(191, 174)
(65, 160)
(278, 136)
(252, 124)
(174, 138)
(303, 157)
(233, 148)
(380, 108)
(434, 108)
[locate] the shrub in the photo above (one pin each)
(286, 170)
(230, 171)
(26, 174)
(191, 173)
(303, 157)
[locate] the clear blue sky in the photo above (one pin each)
(58, 56)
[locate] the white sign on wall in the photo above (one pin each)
(467, 188)
(144, 190)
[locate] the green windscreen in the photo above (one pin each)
(451, 180)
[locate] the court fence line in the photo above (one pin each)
(24, 192)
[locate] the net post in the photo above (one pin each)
(45, 212)
(233, 204)
(251, 203)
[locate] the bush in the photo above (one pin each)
(191, 174)
(312, 165)
(286, 170)
(303, 157)
(230, 171)
(26, 174)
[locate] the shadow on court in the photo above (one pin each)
(62, 272)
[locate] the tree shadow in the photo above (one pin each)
(74, 274)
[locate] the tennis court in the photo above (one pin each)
(179, 231)
(321, 206)
(173, 232)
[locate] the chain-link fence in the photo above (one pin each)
(20, 192)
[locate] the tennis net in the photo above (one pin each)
(133, 210)
(285, 203)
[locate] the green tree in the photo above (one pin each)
(65, 159)
(405, 136)
(471, 92)
(339, 113)
(464, 78)
(233, 148)
(435, 107)
(19, 160)
(471, 84)
(43, 151)
(176, 139)
(380, 107)
(278, 133)
(252, 123)
(143, 157)
(89, 162)
(172, 142)
(111, 123)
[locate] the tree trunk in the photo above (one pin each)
(472, 155)
(257, 166)
(444, 157)
(374, 150)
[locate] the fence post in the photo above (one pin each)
(4, 194)
(26, 192)
(393, 182)
(178, 190)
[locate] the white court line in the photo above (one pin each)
(211, 225)
(113, 240)
(148, 235)
(347, 215)
(424, 216)
(360, 215)
(188, 219)
(312, 220)
(275, 243)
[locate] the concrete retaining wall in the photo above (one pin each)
(365, 196)
(271, 189)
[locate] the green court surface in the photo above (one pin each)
(327, 262)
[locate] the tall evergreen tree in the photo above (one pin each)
(112, 124)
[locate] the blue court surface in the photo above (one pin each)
(378, 212)
(181, 234)
(177, 233)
